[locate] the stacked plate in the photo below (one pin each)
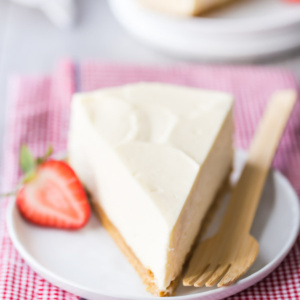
(245, 30)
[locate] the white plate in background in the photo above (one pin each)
(89, 264)
(245, 30)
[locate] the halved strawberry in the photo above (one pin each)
(52, 194)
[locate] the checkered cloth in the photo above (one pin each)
(38, 114)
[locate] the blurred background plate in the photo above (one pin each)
(245, 30)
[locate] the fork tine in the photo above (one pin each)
(189, 280)
(241, 265)
(217, 275)
(232, 275)
(205, 275)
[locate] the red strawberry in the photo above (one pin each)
(52, 194)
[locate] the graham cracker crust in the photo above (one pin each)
(146, 274)
(226, 4)
(199, 9)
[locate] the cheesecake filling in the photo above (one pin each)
(154, 156)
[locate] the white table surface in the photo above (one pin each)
(29, 43)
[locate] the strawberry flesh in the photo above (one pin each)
(54, 197)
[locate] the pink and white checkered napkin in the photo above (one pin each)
(39, 115)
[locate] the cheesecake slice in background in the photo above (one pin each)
(184, 8)
(153, 157)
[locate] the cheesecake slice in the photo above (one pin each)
(153, 157)
(183, 8)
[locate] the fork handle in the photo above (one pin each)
(246, 194)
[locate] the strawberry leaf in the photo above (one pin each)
(46, 156)
(49, 152)
(27, 161)
(29, 176)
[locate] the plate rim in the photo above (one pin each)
(238, 287)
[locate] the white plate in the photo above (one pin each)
(248, 29)
(89, 264)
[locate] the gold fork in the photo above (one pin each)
(225, 257)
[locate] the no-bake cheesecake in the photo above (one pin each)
(153, 157)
